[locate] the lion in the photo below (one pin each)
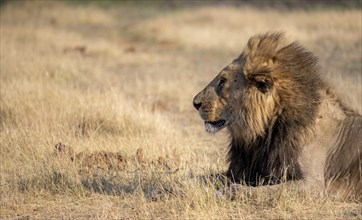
(285, 122)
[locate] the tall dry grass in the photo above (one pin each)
(115, 84)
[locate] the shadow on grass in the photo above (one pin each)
(153, 188)
(105, 185)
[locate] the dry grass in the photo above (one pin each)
(115, 85)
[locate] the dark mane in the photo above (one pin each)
(272, 156)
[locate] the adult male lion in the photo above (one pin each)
(284, 122)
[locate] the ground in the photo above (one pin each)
(96, 109)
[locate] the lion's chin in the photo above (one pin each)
(213, 127)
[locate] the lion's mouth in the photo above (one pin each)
(214, 126)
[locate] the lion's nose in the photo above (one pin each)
(197, 105)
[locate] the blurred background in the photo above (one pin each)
(113, 82)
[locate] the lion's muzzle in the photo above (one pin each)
(212, 124)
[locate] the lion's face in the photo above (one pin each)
(241, 97)
(216, 103)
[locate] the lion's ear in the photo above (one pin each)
(264, 82)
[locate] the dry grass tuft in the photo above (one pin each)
(96, 117)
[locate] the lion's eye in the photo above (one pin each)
(222, 83)
(262, 86)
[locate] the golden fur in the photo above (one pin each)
(284, 122)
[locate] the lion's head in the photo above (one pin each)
(269, 78)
